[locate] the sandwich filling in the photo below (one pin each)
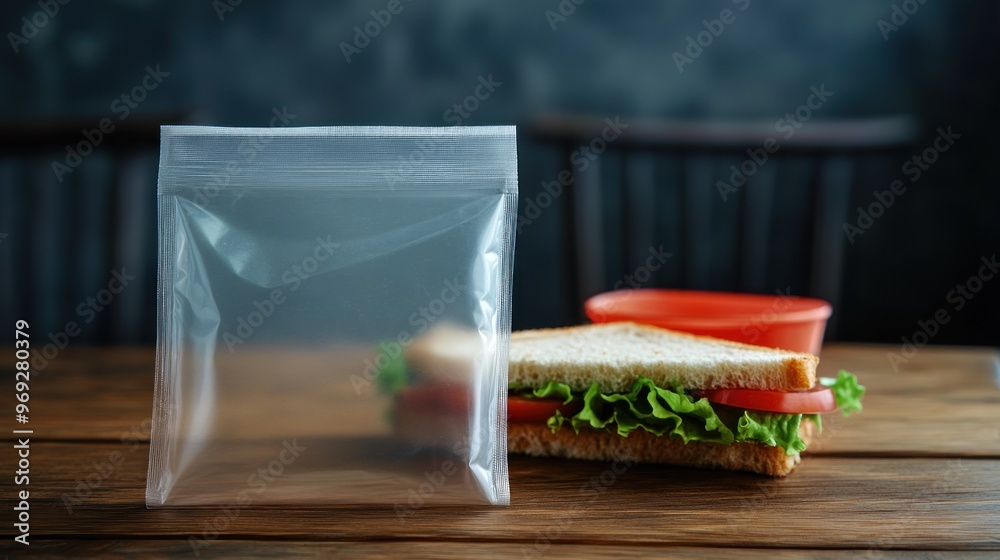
(764, 417)
(676, 412)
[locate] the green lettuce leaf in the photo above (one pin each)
(846, 390)
(673, 412)
(656, 410)
(771, 428)
(816, 418)
(551, 390)
(555, 422)
(394, 376)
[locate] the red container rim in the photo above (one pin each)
(700, 309)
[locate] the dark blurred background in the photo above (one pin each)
(697, 87)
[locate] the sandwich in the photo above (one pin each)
(625, 391)
(430, 383)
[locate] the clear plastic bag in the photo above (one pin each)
(300, 268)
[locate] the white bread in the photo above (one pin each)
(446, 353)
(615, 354)
(643, 447)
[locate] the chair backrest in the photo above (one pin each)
(720, 195)
(69, 231)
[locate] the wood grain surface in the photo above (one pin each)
(916, 475)
(153, 549)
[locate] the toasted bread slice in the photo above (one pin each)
(643, 447)
(615, 354)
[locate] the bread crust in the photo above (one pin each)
(615, 354)
(643, 447)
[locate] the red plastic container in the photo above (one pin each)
(779, 321)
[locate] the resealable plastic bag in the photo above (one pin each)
(334, 316)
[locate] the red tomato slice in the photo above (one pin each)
(522, 411)
(815, 400)
(434, 397)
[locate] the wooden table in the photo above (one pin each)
(917, 471)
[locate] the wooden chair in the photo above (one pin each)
(724, 234)
(64, 238)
